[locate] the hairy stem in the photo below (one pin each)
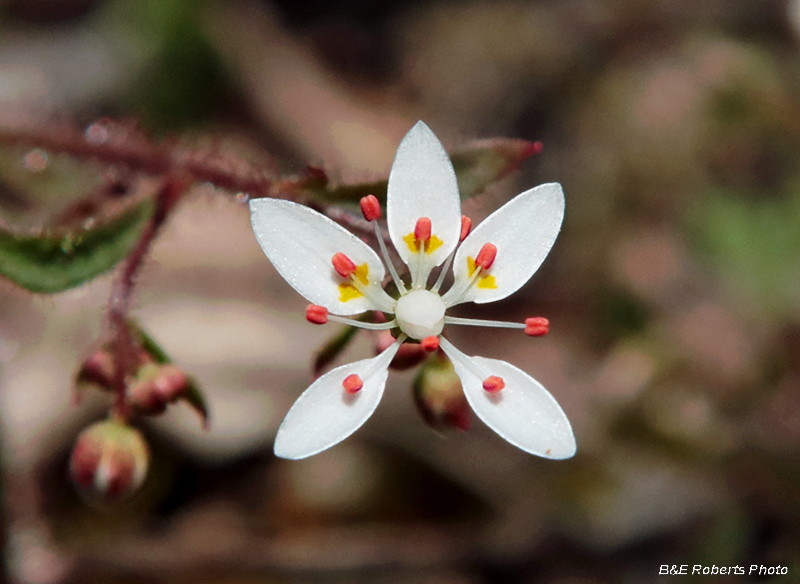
(123, 348)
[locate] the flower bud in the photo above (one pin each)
(97, 369)
(439, 397)
(109, 461)
(156, 386)
(408, 355)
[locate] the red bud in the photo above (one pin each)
(109, 461)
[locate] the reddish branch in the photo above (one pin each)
(115, 143)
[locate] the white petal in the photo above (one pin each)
(422, 183)
(326, 414)
(300, 243)
(523, 412)
(524, 230)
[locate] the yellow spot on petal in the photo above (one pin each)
(471, 267)
(487, 282)
(362, 273)
(348, 292)
(411, 242)
(433, 244)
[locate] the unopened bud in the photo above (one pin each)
(439, 397)
(156, 386)
(98, 369)
(109, 461)
(408, 355)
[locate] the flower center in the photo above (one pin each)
(420, 314)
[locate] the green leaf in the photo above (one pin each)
(478, 165)
(48, 264)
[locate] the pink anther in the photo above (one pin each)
(493, 384)
(486, 256)
(316, 314)
(370, 208)
(537, 326)
(430, 344)
(343, 265)
(422, 230)
(466, 227)
(352, 383)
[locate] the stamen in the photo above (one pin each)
(537, 326)
(493, 384)
(316, 314)
(352, 383)
(486, 256)
(430, 344)
(370, 208)
(422, 230)
(343, 265)
(372, 326)
(387, 260)
(466, 227)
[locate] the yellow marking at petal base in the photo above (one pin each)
(433, 244)
(362, 273)
(348, 292)
(411, 242)
(471, 267)
(487, 282)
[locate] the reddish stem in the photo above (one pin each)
(134, 151)
(123, 348)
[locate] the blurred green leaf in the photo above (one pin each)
(478, 165)
(49, 264)
(181, 81)
(755, 244)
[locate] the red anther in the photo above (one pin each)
(422, 230)
(466, 227)
(352, 383)
(430, 344)
(486, 256)
(533, 148)
(493, 384)
(370, 208)
(343, 265)
(537, 326)
(316, 314)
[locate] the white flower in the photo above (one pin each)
(341, 276)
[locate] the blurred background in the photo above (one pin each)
(672, 291)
